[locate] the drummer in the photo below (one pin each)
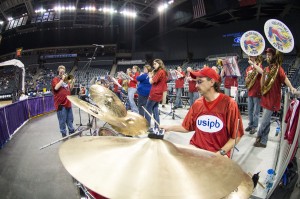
(213, 117)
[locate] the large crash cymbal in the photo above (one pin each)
(107, 100)
(244, 190)
(121, 167)
(95, 111)
(134, 124)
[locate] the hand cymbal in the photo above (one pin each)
(134, 124)
(95, 111)
(121, 167)
(107, 101)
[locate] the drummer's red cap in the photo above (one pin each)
(270, 50)
(206, 72)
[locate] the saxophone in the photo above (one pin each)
(272, 74)
(253, 75)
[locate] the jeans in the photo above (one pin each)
(264, 127)
(142, 101)
(131, 92)
(193, 96)
(178, 101)
(119, 95)
(253, 111)
(65, 117)
(152, 107)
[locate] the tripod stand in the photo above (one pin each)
(172, 112)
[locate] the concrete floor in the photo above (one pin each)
(28, 172)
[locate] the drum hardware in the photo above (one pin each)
(172, 111)
(79, 130)
(114, 112)
(132, 124)
(101, 112)
(156, 132)
(107, 101)
(89, 159)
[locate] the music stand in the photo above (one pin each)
(172, 112)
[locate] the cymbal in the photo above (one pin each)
(122, 167)
(107, 100)
(134, 123)
(95, 111)
(244, 190)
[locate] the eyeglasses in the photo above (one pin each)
(199, 81)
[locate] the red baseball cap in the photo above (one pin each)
(270, 50)
(206, 72)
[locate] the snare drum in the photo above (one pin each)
(103, 131)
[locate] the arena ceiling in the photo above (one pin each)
(149, 22)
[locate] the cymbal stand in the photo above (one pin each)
(79, 131)
(172, 112)
(80, 124)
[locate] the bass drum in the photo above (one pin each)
(86, 193)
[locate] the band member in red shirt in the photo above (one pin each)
(272, 79)
(193, 91)
(132, 88)
(213, 117)
(61, 89)
(179, 86)
(158, 78)
(253, 75)
(117, 88)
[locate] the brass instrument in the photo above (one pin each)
(68, 78)
(125, 85)
(219, 62)
(271, 76)
(269, 79)
(251, 78)
(283, 44)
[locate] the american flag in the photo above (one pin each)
(198, 8)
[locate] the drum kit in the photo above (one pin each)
(117, 164)
(112, 165)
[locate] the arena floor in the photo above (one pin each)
(28, 172)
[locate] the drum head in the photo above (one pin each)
(279, 35)
(103, 131)
(252, 43)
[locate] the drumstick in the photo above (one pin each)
(150, 116)
(237, 129)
